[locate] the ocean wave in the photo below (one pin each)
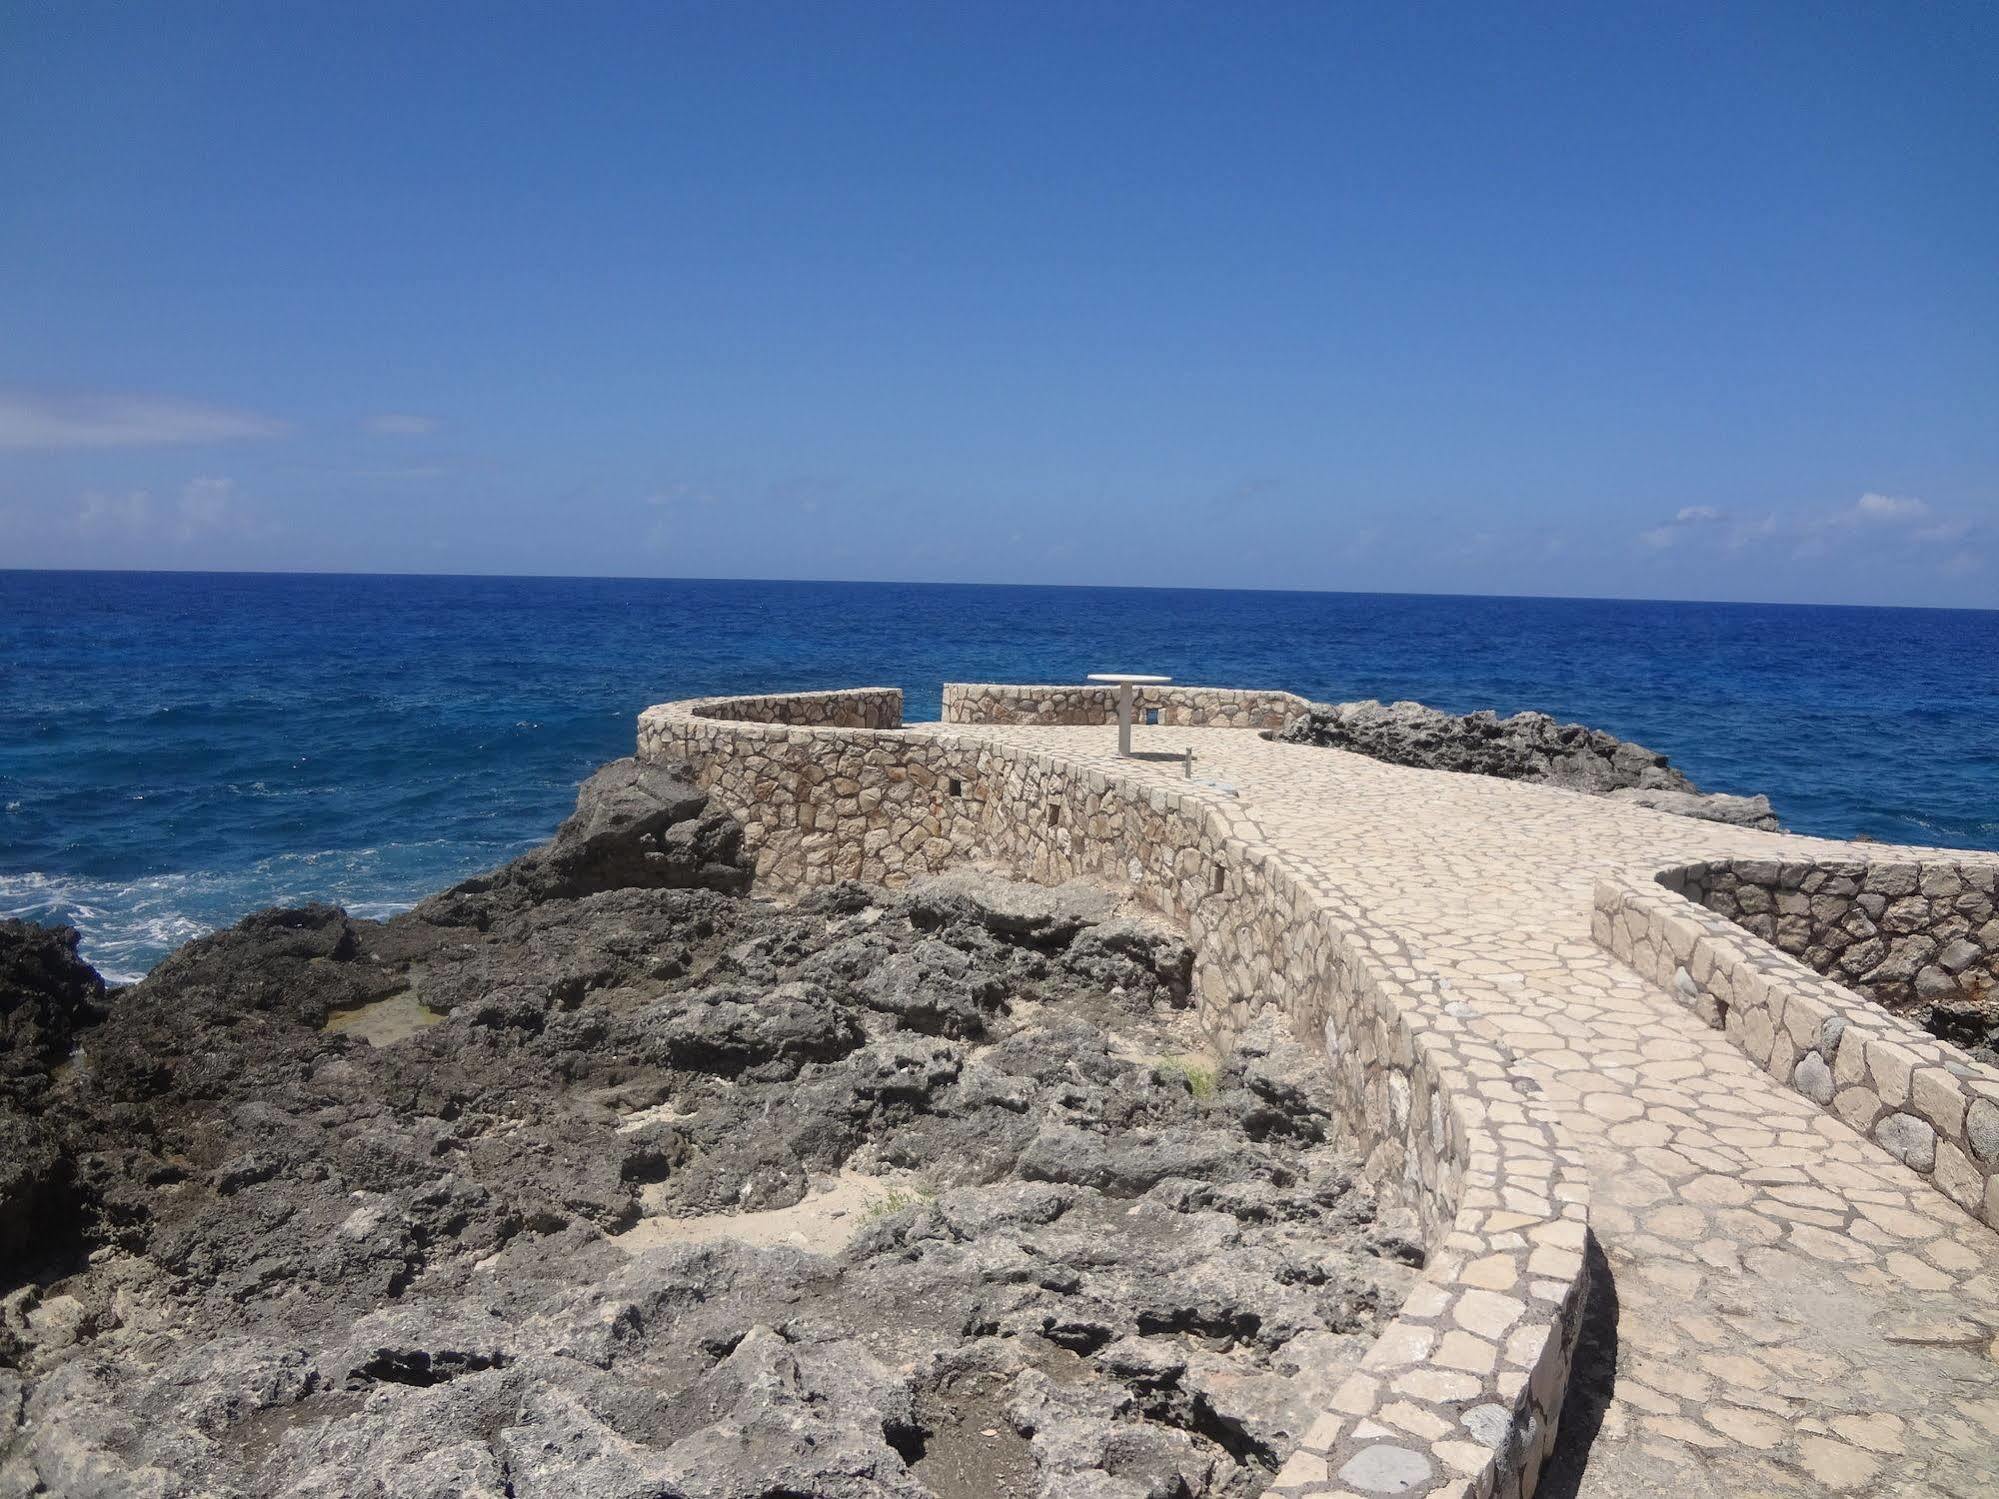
(128, 925)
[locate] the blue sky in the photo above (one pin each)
(1662, 301)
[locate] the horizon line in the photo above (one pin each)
(1568, 598)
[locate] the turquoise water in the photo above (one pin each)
(177, 749)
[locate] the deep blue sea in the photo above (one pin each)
(178, 749)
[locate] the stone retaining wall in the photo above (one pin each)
(853, 708)
(1926, 1103)
(1460, 1395)
(1903, 932)
(1188, 707)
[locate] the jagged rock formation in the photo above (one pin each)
(595, 1176)
(47, 995)
(1525, 747)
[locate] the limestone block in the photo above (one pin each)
(1856, 1106)
(1960, 1181)
(1890, 1066)
(1935, 1095)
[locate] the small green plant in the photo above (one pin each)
(1196, 1074)
(895, 1202)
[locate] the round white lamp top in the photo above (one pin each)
(1127, 677)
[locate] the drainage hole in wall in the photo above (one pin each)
(1221, 878)
(1054, 814)
(955, 786)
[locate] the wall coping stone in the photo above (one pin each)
(1083, 703)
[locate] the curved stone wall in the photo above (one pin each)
(853, 708)
(1461, 1394)
(1928, 1104)
(1191, 707)
(1906, 933)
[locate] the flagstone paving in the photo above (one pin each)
(1795, 1312)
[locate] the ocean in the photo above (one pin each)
(178, 749)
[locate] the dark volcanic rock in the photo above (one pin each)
(596, 1176)
(37, 1197)
(47, 995)
(635, 827)
(1526, 747)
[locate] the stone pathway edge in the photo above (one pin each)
(1925, 1102)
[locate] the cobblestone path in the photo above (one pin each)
(1795, 1312)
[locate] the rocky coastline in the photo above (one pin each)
(600, 1174)
(1525, 747)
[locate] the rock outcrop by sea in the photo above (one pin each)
(600, 1175)
(1525, 747)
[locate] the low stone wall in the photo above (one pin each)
(1461, 1394)
(1903, 932)
(821, 804)
(1187, 707)
(1926, 1103)
(854, 708)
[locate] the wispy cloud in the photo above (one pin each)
(401, 424)
(205, 506)
(1687, 518)
(99, 514)
(1896, 509)
(1961, 564)
(38, 420)
(1948, 530)
(1901, 523)
(1884, 517)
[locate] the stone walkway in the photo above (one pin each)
(1795, 1313)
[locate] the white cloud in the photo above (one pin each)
(126, 514)
(1961, 564)
(1810, 533)
(31, 420)
(1660, 537)
(204, 506)
(1894, 515)
(1948, 530)
(1888, 507)
(401, 424)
